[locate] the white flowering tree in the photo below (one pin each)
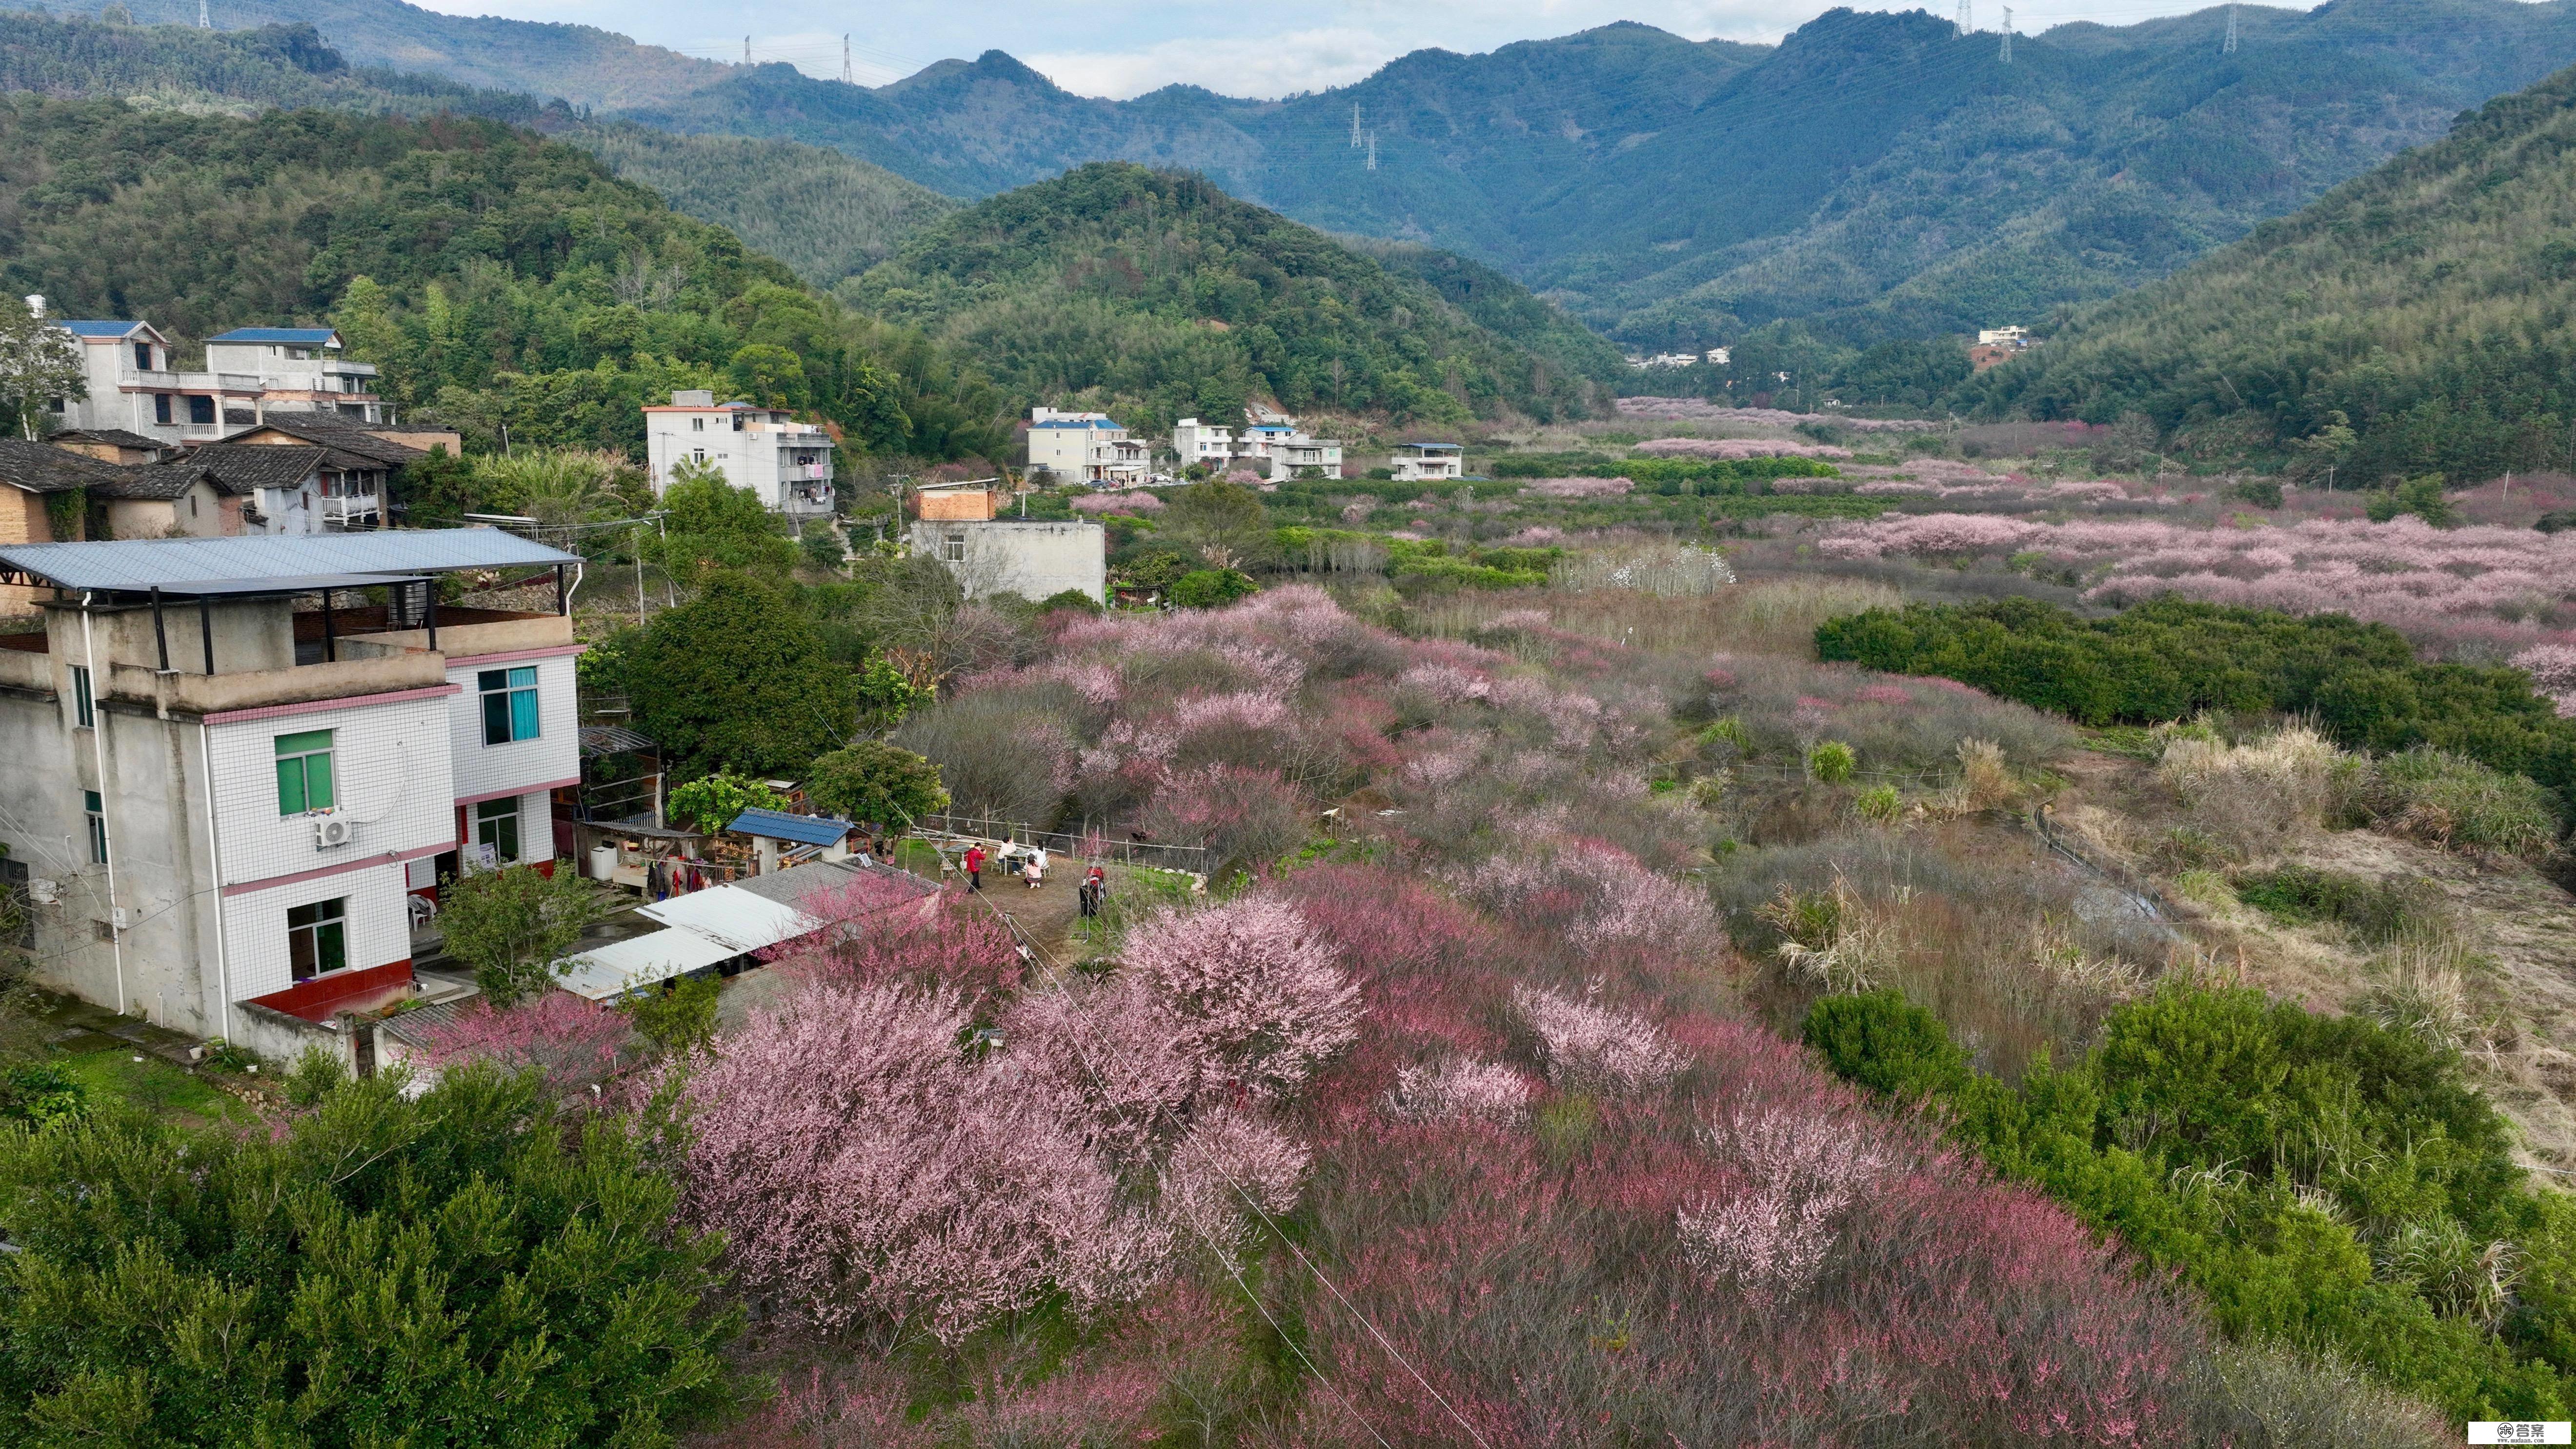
(38, 363)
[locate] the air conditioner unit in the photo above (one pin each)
(43, 891)
(331, 831)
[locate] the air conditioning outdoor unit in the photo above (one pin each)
(330, 831)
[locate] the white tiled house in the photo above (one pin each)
(300, 371)
(786, 464)
(1075, 447)
(223, 794)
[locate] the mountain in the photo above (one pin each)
(2431, 303)
(497, 277)
(1157, 293)
(576, 63)
(1875, 174)
(825, 214)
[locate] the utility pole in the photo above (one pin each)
(1967, 18)
(1355, 126)
(2230, 47)
(2007, 35)
(847, 79)
(1372, 161)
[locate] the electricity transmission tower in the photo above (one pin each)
(1355, 127)
(1372, 140)
(847, 79)
(204, 21)
(746, 50)
(1967, 17)
(2007, 35)
(2230, 47)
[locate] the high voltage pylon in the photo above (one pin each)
(847, 78)
(2007, 35)
(2230, 47)
(1372, 140)
(1355, 127)
(204, 21)
(1967, 18)
(746, 50)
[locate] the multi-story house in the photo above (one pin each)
(231, 774)
(786, 464)
(1271, 445)
(1086, 448)
(1415, 461)
(300, 371)
(135, 387)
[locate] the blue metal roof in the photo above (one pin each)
(301, 336)
(803, 829)
(143, 563)
(1076, 423)
(101, 329)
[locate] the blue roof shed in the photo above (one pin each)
(802, 829)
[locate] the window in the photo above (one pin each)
(143, 356)
(697, 455)
(496, 824)
(97, 826)
(317, 938)
(697, 425)
(83, 710)
(201, 410)
(304, 772)
(509, 704)
(160, 407)
(953, 547)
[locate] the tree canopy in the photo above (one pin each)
(738, 680)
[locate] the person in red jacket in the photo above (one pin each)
(974, 867)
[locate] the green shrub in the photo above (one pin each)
(2261, 492)
(2374, 911)
(1209, 588)
(2455, 801)
(677, 1017)
(1074, 599)
(1886, 1044)
(1831, 762)
(41, 1096)
(1880, 803)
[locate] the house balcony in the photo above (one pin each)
(804, 472)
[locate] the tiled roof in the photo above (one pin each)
(113, 437)
(101, 329)
(158, 481)
(44, 468)
(330, 430)
(301, 336)
(240, 467)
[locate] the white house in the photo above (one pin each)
(1271, 445)
(232, 774)
(300, 370)
(1086, 448)
(136, 387)
(1414, 461)
(1033, 559)
(2003, 337)
(786, 464)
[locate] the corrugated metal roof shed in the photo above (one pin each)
(621, 966)
(803, 829)
(143, 563)
(307, 336)
(101, 328)
(734, 917)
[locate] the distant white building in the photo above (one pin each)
(1663, 359)
(1086, 448)
(1271, 445)
(1416, 461)
(2003, 337)
(1719, 356)
(786, 464)
(300, 370)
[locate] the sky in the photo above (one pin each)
(1122, 48)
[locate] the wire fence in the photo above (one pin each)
(1090, 845)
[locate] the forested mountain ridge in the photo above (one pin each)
(578, 63)
(1157, 293)
(2417, 319)
(497, 277)
(1877, 175)
(825, 214)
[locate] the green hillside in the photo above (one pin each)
(1875, 175)
(1158, 293)
(2429, 303)
(498, 278)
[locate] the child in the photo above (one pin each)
(974, 867)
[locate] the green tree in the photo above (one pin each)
(714, 525)
(1210, 588)
(885, 695)
(678, 1017)
(436, 489)
(39, 362)
(461, 1269)
(711, 802)
(1223, 523)
(511, 925)
(738, 679)
(769, 375)
(876, 782)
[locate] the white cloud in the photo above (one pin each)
(1266, 66)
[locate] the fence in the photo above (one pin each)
(1089, 846)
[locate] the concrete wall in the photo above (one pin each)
(1031, 559)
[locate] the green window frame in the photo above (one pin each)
(317, 938)
(496, 824)
(97, 812)
(509, 704)
(84, 705)
(304, 775)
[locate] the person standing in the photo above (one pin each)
(974, 867)
(1094, 886)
